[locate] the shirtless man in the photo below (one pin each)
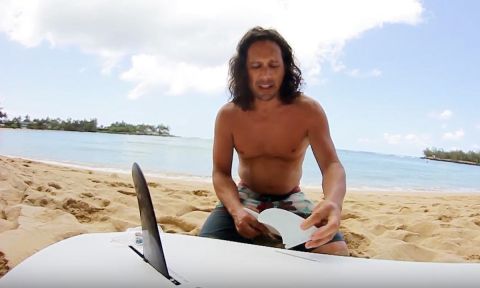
(270, 124)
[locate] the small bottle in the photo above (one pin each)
(138, 238)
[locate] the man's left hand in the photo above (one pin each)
(326, 216)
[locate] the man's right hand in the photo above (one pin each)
(247, 225)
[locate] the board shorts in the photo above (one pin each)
(220, 224)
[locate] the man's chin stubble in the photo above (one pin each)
(265, 97)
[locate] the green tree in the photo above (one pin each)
(454, 155)
(15, 123)
(83, 125)
(163, 130)
(3, 115)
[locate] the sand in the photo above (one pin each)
(41, 204)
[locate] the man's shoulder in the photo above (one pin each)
(228, 109)
(228, 113)
(308, 104)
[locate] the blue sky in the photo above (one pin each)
(393, 76)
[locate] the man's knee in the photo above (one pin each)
(333, 248)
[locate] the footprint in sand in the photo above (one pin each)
(410, 237)
(4, 268)
(349, 215)
(405, 210)
(54, 185)
(176, 222)
(119, 184)
(380, 229)
(43, 189)
(86, 194)
(128, 193)
(401, 227)
(444, 218)
(83, 211)
(40, 199)
(473, 257)
(153, 184)
(102, 202)
(202, 193)
(356, 241)
(97, 200)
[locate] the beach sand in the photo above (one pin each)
(41, 204)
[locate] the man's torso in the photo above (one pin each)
(271, 146)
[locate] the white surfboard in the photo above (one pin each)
(105, 260)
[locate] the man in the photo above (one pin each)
(270, 124)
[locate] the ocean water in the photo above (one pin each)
(192, 157)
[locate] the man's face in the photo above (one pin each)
(265, 70)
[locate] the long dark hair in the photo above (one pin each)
(240, 91)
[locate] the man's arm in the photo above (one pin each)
(223, 183)
(327, 213)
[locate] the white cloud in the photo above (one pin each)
(339, 67)
(359, 74)
(410, 139)
(195, 37)
(149, 71)
(456, 135)
(392, 138)
(444, 115)
(376, 73)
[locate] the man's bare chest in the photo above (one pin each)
(281, 139)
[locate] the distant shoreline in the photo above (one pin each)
(125, 133)
(451, 161)
(100, 130)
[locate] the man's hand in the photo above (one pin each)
(247, 225)
(326, 216)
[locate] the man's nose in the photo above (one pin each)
(266, 73)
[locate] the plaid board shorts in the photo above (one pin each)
(220, 224)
